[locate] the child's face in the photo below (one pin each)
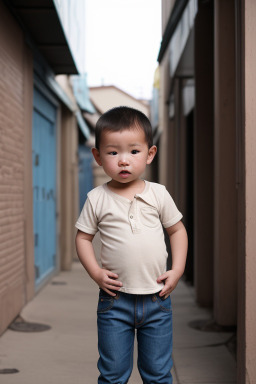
(124, 155)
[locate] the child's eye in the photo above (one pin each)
(135, 151)
(113, 153)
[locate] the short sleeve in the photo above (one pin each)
(87, 221)
(170, 214)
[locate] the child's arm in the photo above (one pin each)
(104, 278)
(179, 245)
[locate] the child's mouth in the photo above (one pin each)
(124, 173)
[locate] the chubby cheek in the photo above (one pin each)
(142, 161)
(109, 166)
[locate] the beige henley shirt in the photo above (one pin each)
(131, 233)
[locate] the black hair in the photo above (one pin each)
(121, 118)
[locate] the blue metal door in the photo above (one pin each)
(44, 185)
(85, 173)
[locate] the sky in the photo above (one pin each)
(122, 43)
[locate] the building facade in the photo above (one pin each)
(207, 154)
(38, 153)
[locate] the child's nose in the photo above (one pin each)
(123, 161)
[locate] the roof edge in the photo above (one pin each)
(66, 68)
(174, 18)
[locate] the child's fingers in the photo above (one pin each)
(115, 287)
(162, 277)
(168, 288)
(109, 292)
(162, 293)
(112, 279)
(112, 274)
(115, 283)
(109, 287)
(165, 293)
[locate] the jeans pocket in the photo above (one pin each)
(164, 304)
(105, 302)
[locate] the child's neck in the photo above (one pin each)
(128, 190)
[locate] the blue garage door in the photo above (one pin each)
(44, 185)
(85, 173)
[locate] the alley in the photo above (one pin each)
(67, 353)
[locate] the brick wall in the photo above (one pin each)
(12, 259)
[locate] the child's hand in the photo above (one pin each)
(107, 280)
(170, 279)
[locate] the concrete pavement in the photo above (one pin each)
(67, 353)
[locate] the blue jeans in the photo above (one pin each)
(118, 318)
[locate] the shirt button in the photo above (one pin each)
(131, 217)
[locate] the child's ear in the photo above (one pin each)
(151, 154)
(96, 155)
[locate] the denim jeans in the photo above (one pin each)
(118, 318)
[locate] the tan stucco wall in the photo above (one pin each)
(69, 193)
(167, 6)
(250, 188)
(65, 83)
(16, 268)
(105, 98)
(163, 119)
